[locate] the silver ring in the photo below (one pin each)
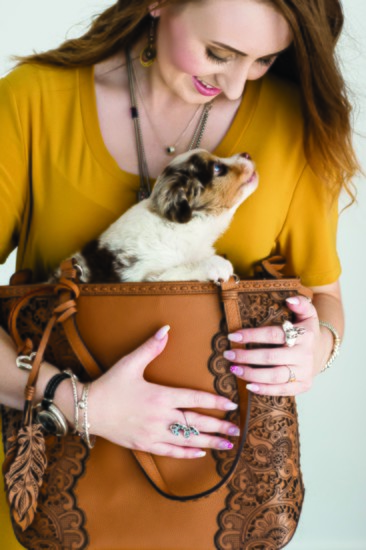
(178, 428)
(291, 375)
(291, 333)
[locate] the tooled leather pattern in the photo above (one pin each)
(31, 324)
(266, 492)
(265, 495)
(58, 523)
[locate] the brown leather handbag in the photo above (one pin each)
(249, 498)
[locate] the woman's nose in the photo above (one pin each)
(233, 82)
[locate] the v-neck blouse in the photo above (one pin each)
(60, 186)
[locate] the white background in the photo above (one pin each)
(332, 414)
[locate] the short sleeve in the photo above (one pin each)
(13, 171)
(308, 239)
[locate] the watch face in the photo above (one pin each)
(48, 422)
(51, 420)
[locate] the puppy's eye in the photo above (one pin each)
(219, 169)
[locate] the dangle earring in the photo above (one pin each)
(148, 54)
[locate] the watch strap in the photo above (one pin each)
(51, 387)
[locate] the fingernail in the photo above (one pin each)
(253, 387)
(237, 370)
(225, 445)
(234, 430)
(230, 406)
(235, 337)
(199, 454)
(162, 332)
(229, 355)
(293, 300)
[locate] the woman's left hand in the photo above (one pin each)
(279, 370)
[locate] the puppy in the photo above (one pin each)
(170, 235)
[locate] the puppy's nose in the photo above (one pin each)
(246, 156)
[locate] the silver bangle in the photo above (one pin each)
(83, 404)
(74, 379)
(336, 344)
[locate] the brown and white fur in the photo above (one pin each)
(170, 235)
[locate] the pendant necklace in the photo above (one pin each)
(145, 188)
(168, 149)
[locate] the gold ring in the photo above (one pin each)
(291, 375)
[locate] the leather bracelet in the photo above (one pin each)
(47, 414)
(336, 344)
(53, 383)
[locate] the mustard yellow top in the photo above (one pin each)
(60, 187)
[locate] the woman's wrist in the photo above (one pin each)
(328, 344)
(326, 347)
(46, 372)
(65, 399)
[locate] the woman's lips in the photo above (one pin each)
(205, 89)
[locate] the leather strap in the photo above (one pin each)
(68, 292)
(229, 296)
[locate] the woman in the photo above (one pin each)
(267, 70)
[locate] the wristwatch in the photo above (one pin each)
(47, 413)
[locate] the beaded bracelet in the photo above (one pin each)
(336, 344)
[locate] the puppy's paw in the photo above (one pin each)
(219, 269)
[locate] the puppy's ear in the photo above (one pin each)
(170, 196)
(177, 208)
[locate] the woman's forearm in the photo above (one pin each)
(13, 380)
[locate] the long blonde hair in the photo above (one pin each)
(310, 61)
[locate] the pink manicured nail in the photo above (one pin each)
(293, 300)
(229, 355)
(253, 387)
(225, 445)
(162, 332)
(237, 370)
(199, 454)
(235, 337)
(230, 406)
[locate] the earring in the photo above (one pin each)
(148, 54)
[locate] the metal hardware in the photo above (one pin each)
(25, 362)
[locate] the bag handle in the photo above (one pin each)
(229, 296)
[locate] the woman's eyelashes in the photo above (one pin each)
(215, 58)
(267, 61)
(264, 61)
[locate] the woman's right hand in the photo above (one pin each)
(126, 409)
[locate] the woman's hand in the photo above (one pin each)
(269, 370)
(129, 411)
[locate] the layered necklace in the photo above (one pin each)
(145, 188)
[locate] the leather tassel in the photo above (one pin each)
(25, 475)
